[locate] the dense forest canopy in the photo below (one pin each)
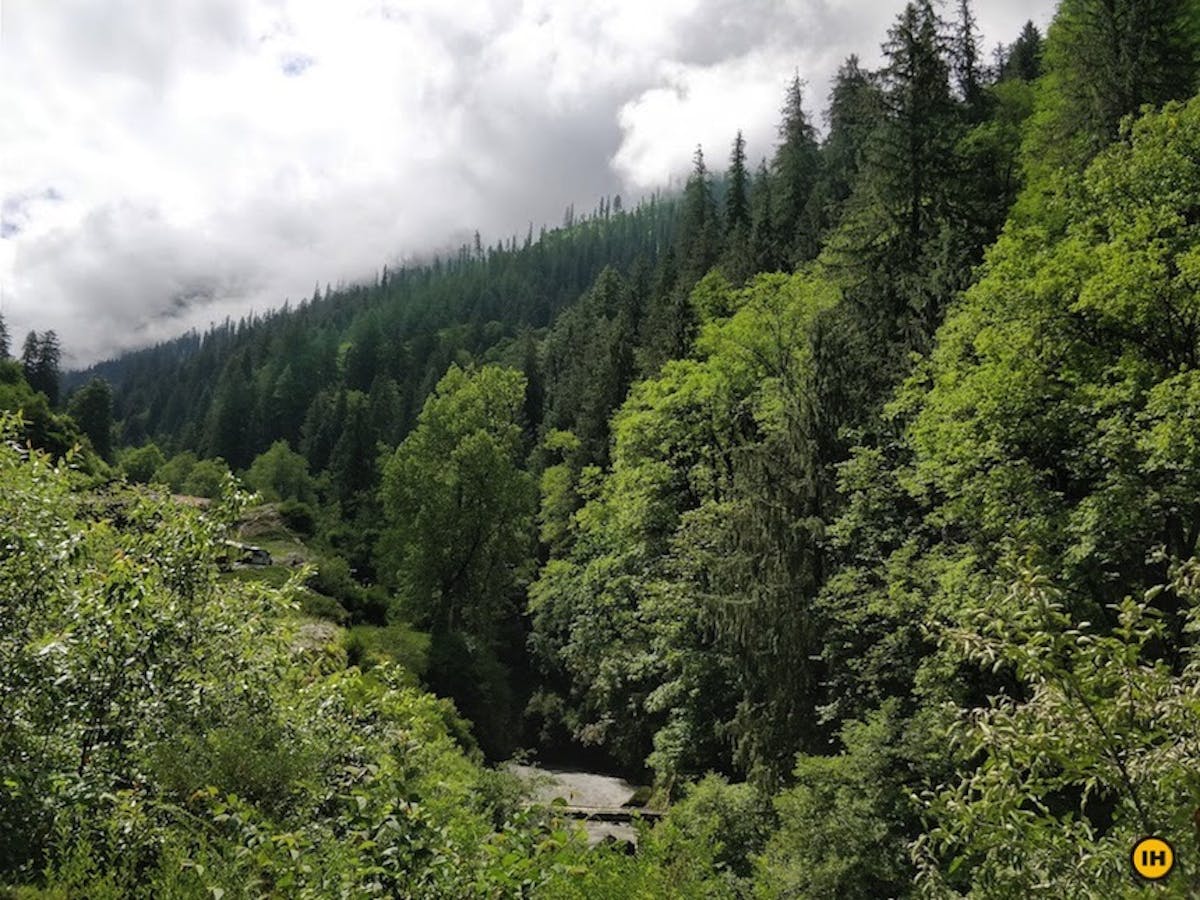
(850, 497)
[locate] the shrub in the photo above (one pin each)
(298, 516)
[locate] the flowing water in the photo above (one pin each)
(586, 790)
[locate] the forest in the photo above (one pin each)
(850, 499)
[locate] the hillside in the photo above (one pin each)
(850, 500)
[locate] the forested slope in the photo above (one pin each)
(867, 482)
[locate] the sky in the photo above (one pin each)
(166, 163)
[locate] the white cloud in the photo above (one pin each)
(166, 162)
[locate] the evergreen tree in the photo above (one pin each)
(91, 408)
(4, 339)
(764, 239)
(386, 408)
(1109, 57)
(855, 111)
(230, 428)
(795, 169)
(352, 462)
(737, 196)
(1023, 59)
(737, 259)
(40, 357)
(967, 72)
(914, 153)
(699, 228)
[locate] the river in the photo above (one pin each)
(585, 790)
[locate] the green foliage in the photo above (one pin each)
(332, 579)
(40, 426)
(845, 823)
(91, 408)
(207, 478)
(368, 645)
(1097, 749)
(627, 616)
(1048, 393)
(279, 473)
(459, 507)
(1109, 57)
(174, 473)
(141, 463)
(298, 516)
(731, 821)
(162, 735)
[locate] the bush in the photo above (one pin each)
(281, 474)
(367, 646)
(845, 824)
(174, 473)
(139, 464)
(251, 754)
(298, 516)
(732, 820)
(207, 479)
(364, 605)
(321, 607)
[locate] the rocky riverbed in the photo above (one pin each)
(583, 790)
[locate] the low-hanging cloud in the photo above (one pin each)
(166, 164)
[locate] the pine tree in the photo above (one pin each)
(795, 169)
(1023, 59)
(855, 111)
(1112, 56)
(914, 153)
(41, 357)
(737, 198)
(966, 61)
(4, 339)
(737, 261)
(699, 234)
(900, 241)
(92, 409)
(352, 466)
(764, 242)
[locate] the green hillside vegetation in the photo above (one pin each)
(853, 499)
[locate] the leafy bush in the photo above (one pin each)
(140, 463)
(298, 516)
(1100, 748)
(369, 645)
(321, 607)
(207, 478)
(174, 473)
(844, 825)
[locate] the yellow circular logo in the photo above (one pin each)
(1153, 858)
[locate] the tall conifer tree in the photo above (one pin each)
(1109, 57)
(737, 200)
(41, 357)
(737, 260)
(795, 168)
